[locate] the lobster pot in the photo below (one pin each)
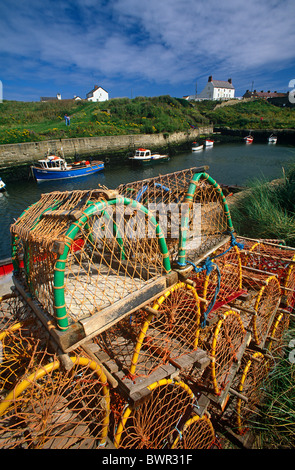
(23, 346)
(163, 196)
(273, 258)
(225, 342)
(152, 424)
(155, 336)
(223, 282)
(254, 372)
(197, 433)
(259, 309)
(276, 341)
(208, 224)
(12, 308)
(55, 409)
(85, 252)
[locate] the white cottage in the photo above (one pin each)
(97, 94)
(216, 90)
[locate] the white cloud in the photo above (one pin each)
(160, 41)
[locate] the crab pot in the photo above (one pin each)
(189, 206)
(90, 258)
(273, 258)
(253, 372)
(56, 409)
(259, 309)
(276, 341)
(222, 283)
(23, 346)
(225, 343)
(155, 341)
(152, 424)
(208, 224)
(197, 433)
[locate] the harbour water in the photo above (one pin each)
(230, 164)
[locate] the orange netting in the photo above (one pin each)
(150, 338)
(153, 423)
(259, 308)
(57, 409)
(254, 371)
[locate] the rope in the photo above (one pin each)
(209, 266)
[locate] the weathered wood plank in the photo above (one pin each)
(107, 317)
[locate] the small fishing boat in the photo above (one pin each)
(143, 156)
(209, 143)
(2, 185)
(196, 147)
(248, 139)
(56, 168)
(272, 139)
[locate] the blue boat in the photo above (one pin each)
(56, 168)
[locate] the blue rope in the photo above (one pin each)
(208, 266)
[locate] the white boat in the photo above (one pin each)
(248, 139)
(2, 185)
(144, 156)
(272, 139)
(209, 143)
(196, 147)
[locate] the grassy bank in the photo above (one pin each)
(257, 114)
(268, 210)
(37, 121)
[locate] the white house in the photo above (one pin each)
(97, 94)
(216, 90)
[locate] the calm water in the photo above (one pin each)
(228, 164)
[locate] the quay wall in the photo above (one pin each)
(15, 159)
(285, 136)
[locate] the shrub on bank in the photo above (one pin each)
(268, 210)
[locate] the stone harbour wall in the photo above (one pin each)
(15, 156)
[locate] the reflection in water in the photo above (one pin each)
(228, 164)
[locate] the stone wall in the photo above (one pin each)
(24, 154)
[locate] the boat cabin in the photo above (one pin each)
(53, 163)
(142, 153)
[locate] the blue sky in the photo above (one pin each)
(144, 48)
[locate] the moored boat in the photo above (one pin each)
(248, 139)
(209, 143)
(2, 185)
(196, 147)
(143, 156)
(56, 168)
(272, 139)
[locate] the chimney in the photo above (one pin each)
(95, 87)
(210, 78)
(229, 80)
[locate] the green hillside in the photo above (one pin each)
(257, 114)
(36, 121)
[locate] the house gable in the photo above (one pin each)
(97, 94)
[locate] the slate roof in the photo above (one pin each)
(222, 84)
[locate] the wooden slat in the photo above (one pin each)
(107, 317)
